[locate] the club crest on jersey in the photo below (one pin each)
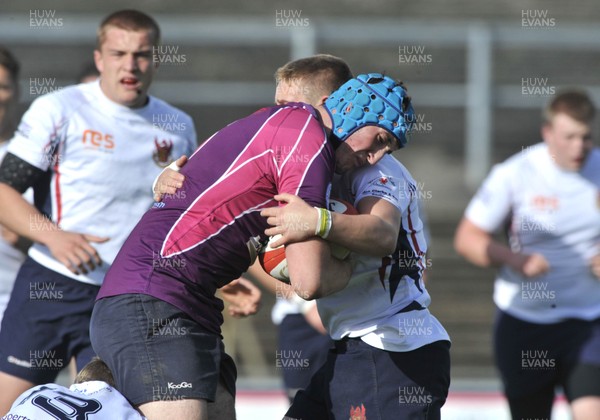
(382, 186)
(385, 181)
(358, 413)
(162, 154)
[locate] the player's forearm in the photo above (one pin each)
(479, 247)
(314, 273)
(364, 234)
(21, 217)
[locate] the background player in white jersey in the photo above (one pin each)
(391, 356)
(9, 94)
(13, 248)
(547, 291)
(92, 396)
(76, 146)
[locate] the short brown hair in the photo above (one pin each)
(325, 72)
(9, 123)
(129, 20)
(574, 103)
(95, 370)
(10, 63)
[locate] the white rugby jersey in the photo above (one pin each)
(88, 400)
(103, 158)
(553, 212)
(376, 305)
(10, 257)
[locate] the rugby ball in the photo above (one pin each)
(273, 261)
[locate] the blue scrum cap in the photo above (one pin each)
(371, 99)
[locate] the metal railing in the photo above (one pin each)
(478, 95)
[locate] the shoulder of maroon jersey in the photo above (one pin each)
(290, 105)
(300, 105)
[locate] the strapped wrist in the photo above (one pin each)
(324, 222)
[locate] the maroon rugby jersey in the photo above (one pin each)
(195, 241)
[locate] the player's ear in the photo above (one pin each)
(546, 130)
(322, 99)
(98, 61)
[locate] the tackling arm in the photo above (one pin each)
(372, 232)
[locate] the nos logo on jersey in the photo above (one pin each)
(162, 154)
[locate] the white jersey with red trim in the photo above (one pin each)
(10, 257)
(87, 400)
(102, 159)
(552, 212)
(385, 302)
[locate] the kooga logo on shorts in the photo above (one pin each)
(179, 386)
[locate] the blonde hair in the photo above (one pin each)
(95, 370)
(321, 74)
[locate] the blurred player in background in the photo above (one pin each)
(76, 146)
(13, 247)
(9, 94)
(92, 396)
(391, 357)
(209, 237)
(547, 329)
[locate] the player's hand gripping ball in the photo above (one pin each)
(273, 260)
